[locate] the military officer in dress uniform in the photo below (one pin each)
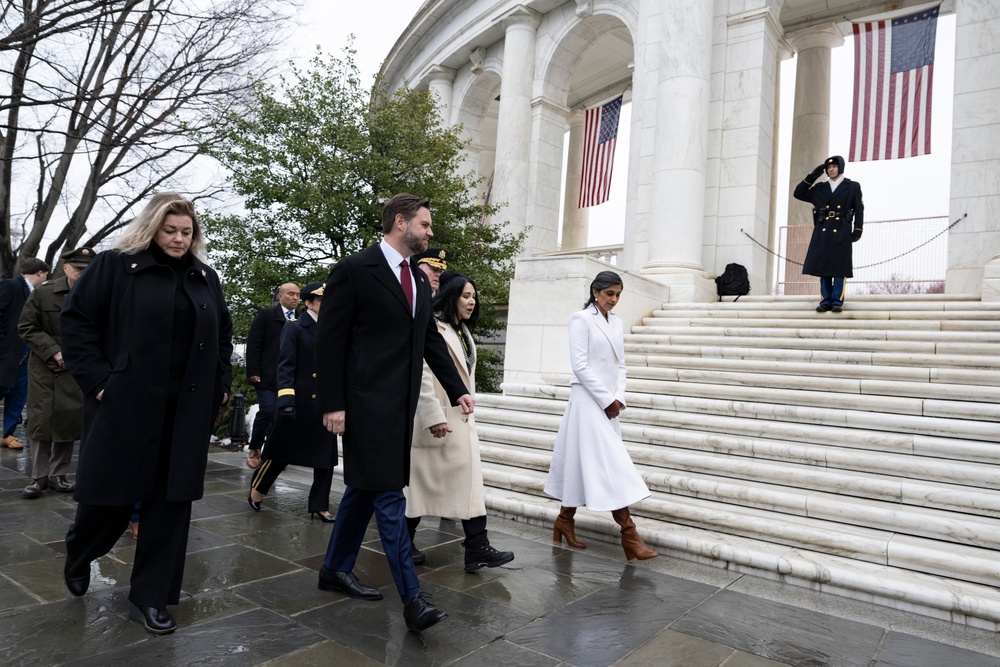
(55, 404)
(838, 218)
(433, 262)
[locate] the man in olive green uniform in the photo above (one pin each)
(55, 404)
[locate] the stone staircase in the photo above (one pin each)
(854, 453)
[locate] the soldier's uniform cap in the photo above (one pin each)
(79, 257)
(312, 290)
(435, 257)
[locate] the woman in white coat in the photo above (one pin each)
(590, 465)
(446, 475)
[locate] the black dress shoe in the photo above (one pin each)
(822, 308)
(486, 556)
(325, 518)
(155, 621)
(61, 484)
(420, 614)
(77, 579)
(837, 309)
(346, 583)
(418, 556)
(36, 488)
(254, 505)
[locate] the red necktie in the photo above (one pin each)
(404, 280)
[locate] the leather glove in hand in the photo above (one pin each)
(287, 412)
(856, 235)
(816, 173)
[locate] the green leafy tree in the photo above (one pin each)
(315, 159)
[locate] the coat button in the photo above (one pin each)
(313, 396)
(201, 346)
(192, 387)
(204, 305)
(314, 375)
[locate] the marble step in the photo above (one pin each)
(902, 478)
(931, 422)
(807, 353)
(921, 325)
(814, 382)
(963, 514)
(972, 563)
(861, 301)
(810, 317)
(820, 335)
(531, 411)
(923, 376)
(900, 582)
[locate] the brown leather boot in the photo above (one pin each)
(566, 527)
(631, 542)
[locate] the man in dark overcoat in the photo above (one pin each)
(376, 331)
(263, 341)
(13, 351)
(838, 219)
(55, 405)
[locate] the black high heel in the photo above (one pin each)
(325, 518)
(254, 505)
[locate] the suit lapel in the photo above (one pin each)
(382, 272)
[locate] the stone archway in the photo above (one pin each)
(478, 112)
(589, 63)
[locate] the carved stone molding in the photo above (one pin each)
(478, 58)
(584, 8)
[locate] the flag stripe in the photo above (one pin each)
(893, 85)
(599, 141)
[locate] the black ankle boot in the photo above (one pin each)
(485, 556)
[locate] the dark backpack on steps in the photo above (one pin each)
(734, 281)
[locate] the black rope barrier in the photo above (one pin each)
(866, 266)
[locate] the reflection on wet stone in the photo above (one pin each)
(250, 597)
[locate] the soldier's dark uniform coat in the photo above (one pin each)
(116, 335)
(55, 404)
(303, 441)
(835, 216)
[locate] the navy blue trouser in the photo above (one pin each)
(353, 515)
(831, 288)
(15, 398)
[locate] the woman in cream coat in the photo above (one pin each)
(590, 465)
(446, 476)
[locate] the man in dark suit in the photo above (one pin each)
(263, 342)
(13, 352)
(376, 332)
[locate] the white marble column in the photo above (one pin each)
(810, 139)
(510, 183)
(440, 82)
(681, 140)
(575, 219)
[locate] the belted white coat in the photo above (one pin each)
(446, 474)
(590, 465)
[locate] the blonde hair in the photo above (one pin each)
(143, 228)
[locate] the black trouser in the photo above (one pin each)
(159, 553)
(319, 492)
(475, 531)
(267, 407)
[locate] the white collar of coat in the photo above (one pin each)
(834, 182)
(605, 325)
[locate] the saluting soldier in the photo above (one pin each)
(838, 218)
(55, 404)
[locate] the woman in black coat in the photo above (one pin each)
(147, 336)
(298, 436)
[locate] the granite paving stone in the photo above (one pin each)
(781, 632)
(902, 650)
(603, 627)
(250, 597)
(227, 641)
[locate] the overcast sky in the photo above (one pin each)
(914, 187)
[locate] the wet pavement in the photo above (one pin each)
(250, 598)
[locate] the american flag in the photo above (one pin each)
(599, 139)
(893, 80)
